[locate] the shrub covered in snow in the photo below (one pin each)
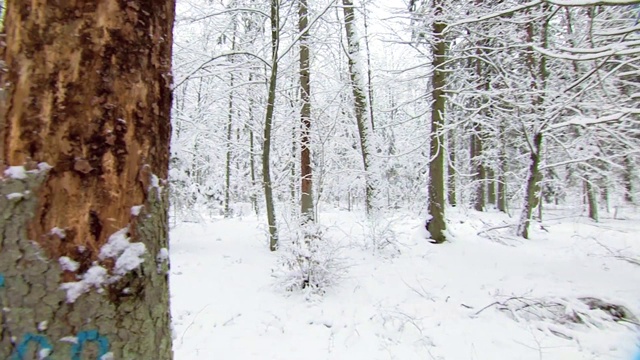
(380, 236)
(309, 260)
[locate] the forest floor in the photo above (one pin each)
(483, 295)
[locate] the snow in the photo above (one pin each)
(69, 339)
(130, 258)
(16, 172)
(116, 245)
(43, 166)
(43, 354)
(95, 277)
(426, 302)
(67, 264)
(135, 210)
(163, 255)
(128, 255)
(60, 233)
(43, 325)
(13, 196)
(107, 356)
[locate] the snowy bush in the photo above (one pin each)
(380, 236)
(309, 260)
(560, 316)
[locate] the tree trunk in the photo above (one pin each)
(628, 179)
(491, 187)
(476, 162)
(533, 188)
(252, 162)
(306, 185)
(592, 199)
(503, 168)
(451, 178)
(363, 119)
(539, 74)
(88, 93)
(437, 225)
(227, 165)
(271, 99)
(369, 75)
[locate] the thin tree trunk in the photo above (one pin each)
(592, 199)
(539, 75)
(363, 119)
(268, 123)
(628, 179)
(503, 167)
(476, 161)
(531, 196)
(437, 225)
(293, 173)
(306, 184)
(227, 165)
(252, 161)
(369, 73)
(451, 188)
(491, 186)
(88, 93)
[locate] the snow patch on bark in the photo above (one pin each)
(107, 356)
(69, 339)
(95, 277)
(135, 210)
(128, 256)
(43, 325)
(16, 172)
(67, 264)
(15, 195)
(60, 233)
(19, 172)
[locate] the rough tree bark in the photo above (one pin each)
(87, 88)
(437, 225)
(306, 186)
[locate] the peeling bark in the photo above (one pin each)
(88, 92)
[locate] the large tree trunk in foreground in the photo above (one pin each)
(83, 270)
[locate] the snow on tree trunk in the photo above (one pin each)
(84, 252)
(363, 117)
(306, 186)
(268, 123)
(437, 225)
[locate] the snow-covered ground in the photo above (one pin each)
(427, 302)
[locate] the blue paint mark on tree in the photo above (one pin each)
(90, 336)
(1, 281)
(23, 347)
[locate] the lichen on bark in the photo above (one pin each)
(130, 313)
